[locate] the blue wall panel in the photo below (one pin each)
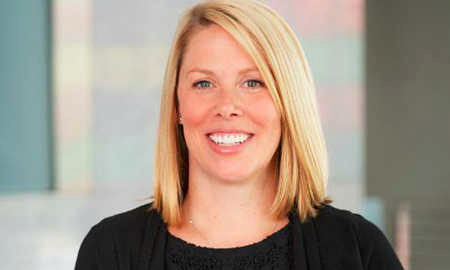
(25, 111)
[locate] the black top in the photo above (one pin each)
(334, 240)
(270, 253)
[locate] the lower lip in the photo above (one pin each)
(230, 149)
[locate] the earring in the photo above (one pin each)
(180, 120)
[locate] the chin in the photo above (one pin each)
(234, 177)
(231, 176)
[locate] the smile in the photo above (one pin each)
(229, 139)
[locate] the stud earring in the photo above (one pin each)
(180, 119)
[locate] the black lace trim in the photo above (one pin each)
(270, 253)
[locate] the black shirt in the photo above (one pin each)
(270, 253)
(333, 240)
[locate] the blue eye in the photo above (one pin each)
(202, 84)
(254, 83)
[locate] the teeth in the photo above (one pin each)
(229, 139)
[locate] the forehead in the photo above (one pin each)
(214, 47)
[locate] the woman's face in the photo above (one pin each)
(231, 126)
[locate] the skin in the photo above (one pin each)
(221, 88)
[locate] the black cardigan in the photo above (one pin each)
(334, 240)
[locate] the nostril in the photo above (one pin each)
(228, 110)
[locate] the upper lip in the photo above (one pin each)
(228, 131)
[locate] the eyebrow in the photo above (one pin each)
(210, 72)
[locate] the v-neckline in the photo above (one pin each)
(305, 245)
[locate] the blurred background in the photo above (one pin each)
(80, 85)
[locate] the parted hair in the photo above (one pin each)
(302, 161)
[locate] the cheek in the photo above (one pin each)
(192, 110)
(194, 114)
(264, 113)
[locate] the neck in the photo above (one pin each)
(221, 210)
(228, 203)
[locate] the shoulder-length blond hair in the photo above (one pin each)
(302, 164)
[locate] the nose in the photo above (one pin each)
(228, 111)
(228, 106)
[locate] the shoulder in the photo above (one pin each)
(334, 224)
(126, 226)
(130, 221)
(331, 216)
(355, 235)
(115, 236)
(345, 220)
(344, 223)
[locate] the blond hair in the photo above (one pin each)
(302, 162)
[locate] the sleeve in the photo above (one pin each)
(375, 250)
(87, 255)
(96, 251)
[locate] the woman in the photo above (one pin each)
(241, 165)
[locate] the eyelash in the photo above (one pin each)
(261, 84)
(196, 84)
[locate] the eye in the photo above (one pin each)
(202, 84)
(254, 83)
